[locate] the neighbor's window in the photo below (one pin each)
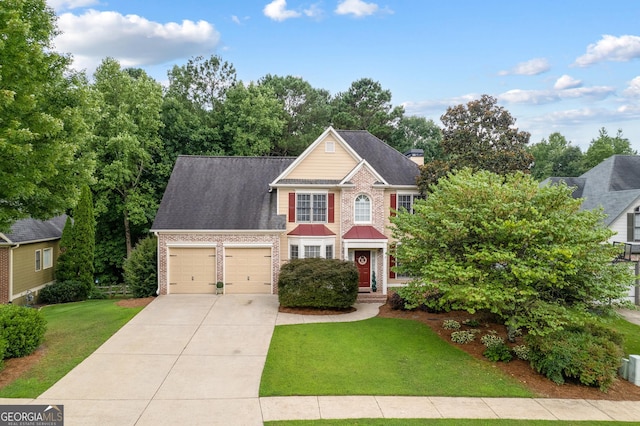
(362, 209)
(38, 260)
(636, 225)
(311, 207)
(47, 258)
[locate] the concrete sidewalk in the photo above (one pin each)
(196, 359)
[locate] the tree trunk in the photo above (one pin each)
(127, 234)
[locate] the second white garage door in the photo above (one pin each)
(247, 270)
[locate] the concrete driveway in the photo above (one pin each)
(184, 359)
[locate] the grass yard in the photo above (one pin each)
(441, 422)
(378, 356)
(631, 333)
(74, 331)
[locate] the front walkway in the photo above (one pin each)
(196, 359)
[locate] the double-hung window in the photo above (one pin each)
(311, 207)
(47, 258)
(406, 201)
(362, 209)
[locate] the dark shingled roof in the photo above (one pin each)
(613, 185)
(32, 230)
(220, 193)
(394, 167)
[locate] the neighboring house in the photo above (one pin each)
(28, 256)
(613, 185)
(238, 219)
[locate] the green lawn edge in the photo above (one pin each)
(74, 331)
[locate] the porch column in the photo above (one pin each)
(385, 262)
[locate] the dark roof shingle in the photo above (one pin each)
(31, 230)
(221, 193)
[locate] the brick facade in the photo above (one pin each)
(166, 240)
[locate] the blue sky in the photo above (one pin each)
(564, 65)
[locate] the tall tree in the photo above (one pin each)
(41, 117)
(252, 120)
(125, 143)
(555, 157)
(414, 132)
(307, 110)
(604, 146)
(482, 135)
(78, 243)
(366, 106)
(203, 82)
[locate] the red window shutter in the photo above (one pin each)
(292, 207)
(330, 213)
(392, 263)
(394, 204)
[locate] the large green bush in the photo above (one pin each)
(22, 328)
(588, 354)
(140, 269)
(63, 292)
(318, 283)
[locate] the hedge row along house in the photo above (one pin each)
(236, 220)
(28, 255)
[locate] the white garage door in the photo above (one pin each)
(192, 270)
(247, 270)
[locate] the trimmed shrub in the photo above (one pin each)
(141, 268)
(22, 329)
(3, 349)
(318, 283)
(576, 354)
(63, 292)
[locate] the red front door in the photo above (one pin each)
(363, 261)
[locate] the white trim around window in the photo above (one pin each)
(312, 206)
(362, 209)
(47, 258)
(38, 260)
(303, 247)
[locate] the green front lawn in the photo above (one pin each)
(378, 356)
(74, 331)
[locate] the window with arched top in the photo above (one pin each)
(362, 210)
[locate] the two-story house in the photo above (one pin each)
(238, 219)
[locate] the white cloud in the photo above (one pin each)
(314, 11)
(277, 10)
(532, 67)
(356, 8)
(634, 88)
(566, 82)
(611, 48)
(59, 5)
(538, 97)
(131, 39)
